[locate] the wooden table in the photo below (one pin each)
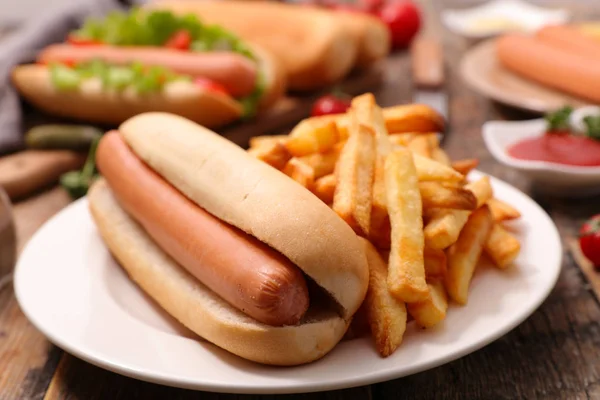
(554, 354)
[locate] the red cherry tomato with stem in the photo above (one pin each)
(330, 104)
(403, 20)
(589, 240)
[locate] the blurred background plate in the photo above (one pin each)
(481, 70)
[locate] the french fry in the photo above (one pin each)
(501, 246)
(323, 163)
(412, 118)
(308, 138)
(380, 230)
(324, 188)
(420, 145)
(465, 166)
(402, 139)
(258, 141)
(464, 255)
(482, 189)
(386, 315)
(502, 211)
(436, 263)
(439, 155)
(354, 174)
(406, 275)
(438, 195)
(273, 153)
(431, 311)
(444, 225)
(301, 172)
(430, 170)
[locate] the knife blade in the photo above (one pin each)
(428, 74)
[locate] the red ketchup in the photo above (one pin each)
(560, 148)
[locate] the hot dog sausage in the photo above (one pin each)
(548, 65)
(243, 271)
(236, 73)
(570, 40)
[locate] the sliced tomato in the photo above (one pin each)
(180, 40)
(210, 85)
(78, 41)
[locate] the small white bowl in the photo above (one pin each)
(519, 15)
(551, 178)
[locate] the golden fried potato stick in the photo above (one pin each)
(431, 311)
(502, 211)
(430, 170)
(300, 172)
(464, 255)
(445, 225)
(438, 195)
(386, 315)
(324, 188)
(402, 139)
(420, 145)
(308, 138)
(273, 153)
(436, 263)
(412, 118)
(323, 163)
(258, 141)
(354, 174)
(406, 274)
(465, 166)
(501, 246)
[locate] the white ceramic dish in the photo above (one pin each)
(500, 16)
(71, 289)
(552, 178)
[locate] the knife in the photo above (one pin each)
(428, 74)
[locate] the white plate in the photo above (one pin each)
(551, 178)
(521, 15)
(72, 290)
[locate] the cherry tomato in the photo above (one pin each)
(78, 41)
(210, 85)
(404, 21)
(180, 40)
(330, 104)
(589, 240)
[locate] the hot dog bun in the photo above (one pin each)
(316, 47)
(91, 103)
(198, 308)
(372, 35)
(250, 195)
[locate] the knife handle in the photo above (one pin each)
(427, 63)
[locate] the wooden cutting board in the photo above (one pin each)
(24, 173)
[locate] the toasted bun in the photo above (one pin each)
(372, 35)
(315, 46)
(200, 309)
(235, 187)
(91, 103)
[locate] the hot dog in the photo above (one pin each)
(255, 279)
(129, 61)
(549, 65)
(214, 186)
(316, 47)
(234, 72)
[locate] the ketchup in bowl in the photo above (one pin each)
(560, 148)
(560, 144)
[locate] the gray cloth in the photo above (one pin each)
(22, 47)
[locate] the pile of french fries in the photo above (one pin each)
(423, 223)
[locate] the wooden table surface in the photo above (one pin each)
(554, 354)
